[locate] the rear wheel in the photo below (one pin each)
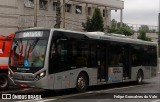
(82, 82)
(3, 81)
(139, 77)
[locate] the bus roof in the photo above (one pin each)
(111, 37)
(100, 36)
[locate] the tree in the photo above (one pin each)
(144, 28)
(115, 28)
(95, 23)
(142, 36)
(125, 31)
(87, 25)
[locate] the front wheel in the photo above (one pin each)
(139, 77)
(3, 81)
(82, 82)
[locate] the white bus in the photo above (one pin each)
(56, 59)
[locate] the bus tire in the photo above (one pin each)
(139, 77)
(82, 82)
(4, 83)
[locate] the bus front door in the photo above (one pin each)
(102, 63)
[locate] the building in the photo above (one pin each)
(8, 16)
(20, 14)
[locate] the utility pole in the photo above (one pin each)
(159, 34)
(58, 14)
(35, 13)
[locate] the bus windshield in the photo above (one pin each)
(27, 54)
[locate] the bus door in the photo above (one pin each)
(59, 64)
(102, 62)
(126, 62)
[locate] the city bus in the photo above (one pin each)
(55, 59)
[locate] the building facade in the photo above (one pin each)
(20, 14)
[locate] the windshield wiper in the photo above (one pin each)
(32, 46)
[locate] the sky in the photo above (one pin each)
(139, 12)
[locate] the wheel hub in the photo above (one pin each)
(81, 82)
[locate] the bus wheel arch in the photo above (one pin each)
(82, 81)
(140, 76)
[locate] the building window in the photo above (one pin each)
(29, 3)
(78, 9)
(43, 4)
(68, 7)
(54, 6)
(89, 10)
(104, 13)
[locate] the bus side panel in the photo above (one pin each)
(43, 83)
(147, 72)
(92, 75)
(115, 74)
(91, 72)
(68, 79)
(154, 71)
(134, 71)
(62, 80)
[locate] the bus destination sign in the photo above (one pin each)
(33, 34)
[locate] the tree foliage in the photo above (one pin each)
(144, 28)
(115, 28)
(95, 23)
(88, 25)
(142, 36)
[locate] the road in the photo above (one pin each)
(149, 91)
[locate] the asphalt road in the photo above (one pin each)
(149, 91)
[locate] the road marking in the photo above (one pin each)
(43, 100)
(46, 100)
(103, 100)
(156, 101)
(117, 88)
(26, 89)
(90, 92)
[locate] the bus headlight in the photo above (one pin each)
(40, 75)
(10, 73)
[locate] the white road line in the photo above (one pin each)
(43, 100)
(117, 88)
(90, 92)
(26, 101)
(46, 100)
(103, 100)
(156, 101)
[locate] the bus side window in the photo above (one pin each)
(53, 51)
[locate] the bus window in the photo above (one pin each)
(82, 54)
(59, 56)
(153, 56)
(92, 56)
(115, 56)
(140, 55)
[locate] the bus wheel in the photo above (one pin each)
(3, 81)
(139, 77)
(82, 82)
